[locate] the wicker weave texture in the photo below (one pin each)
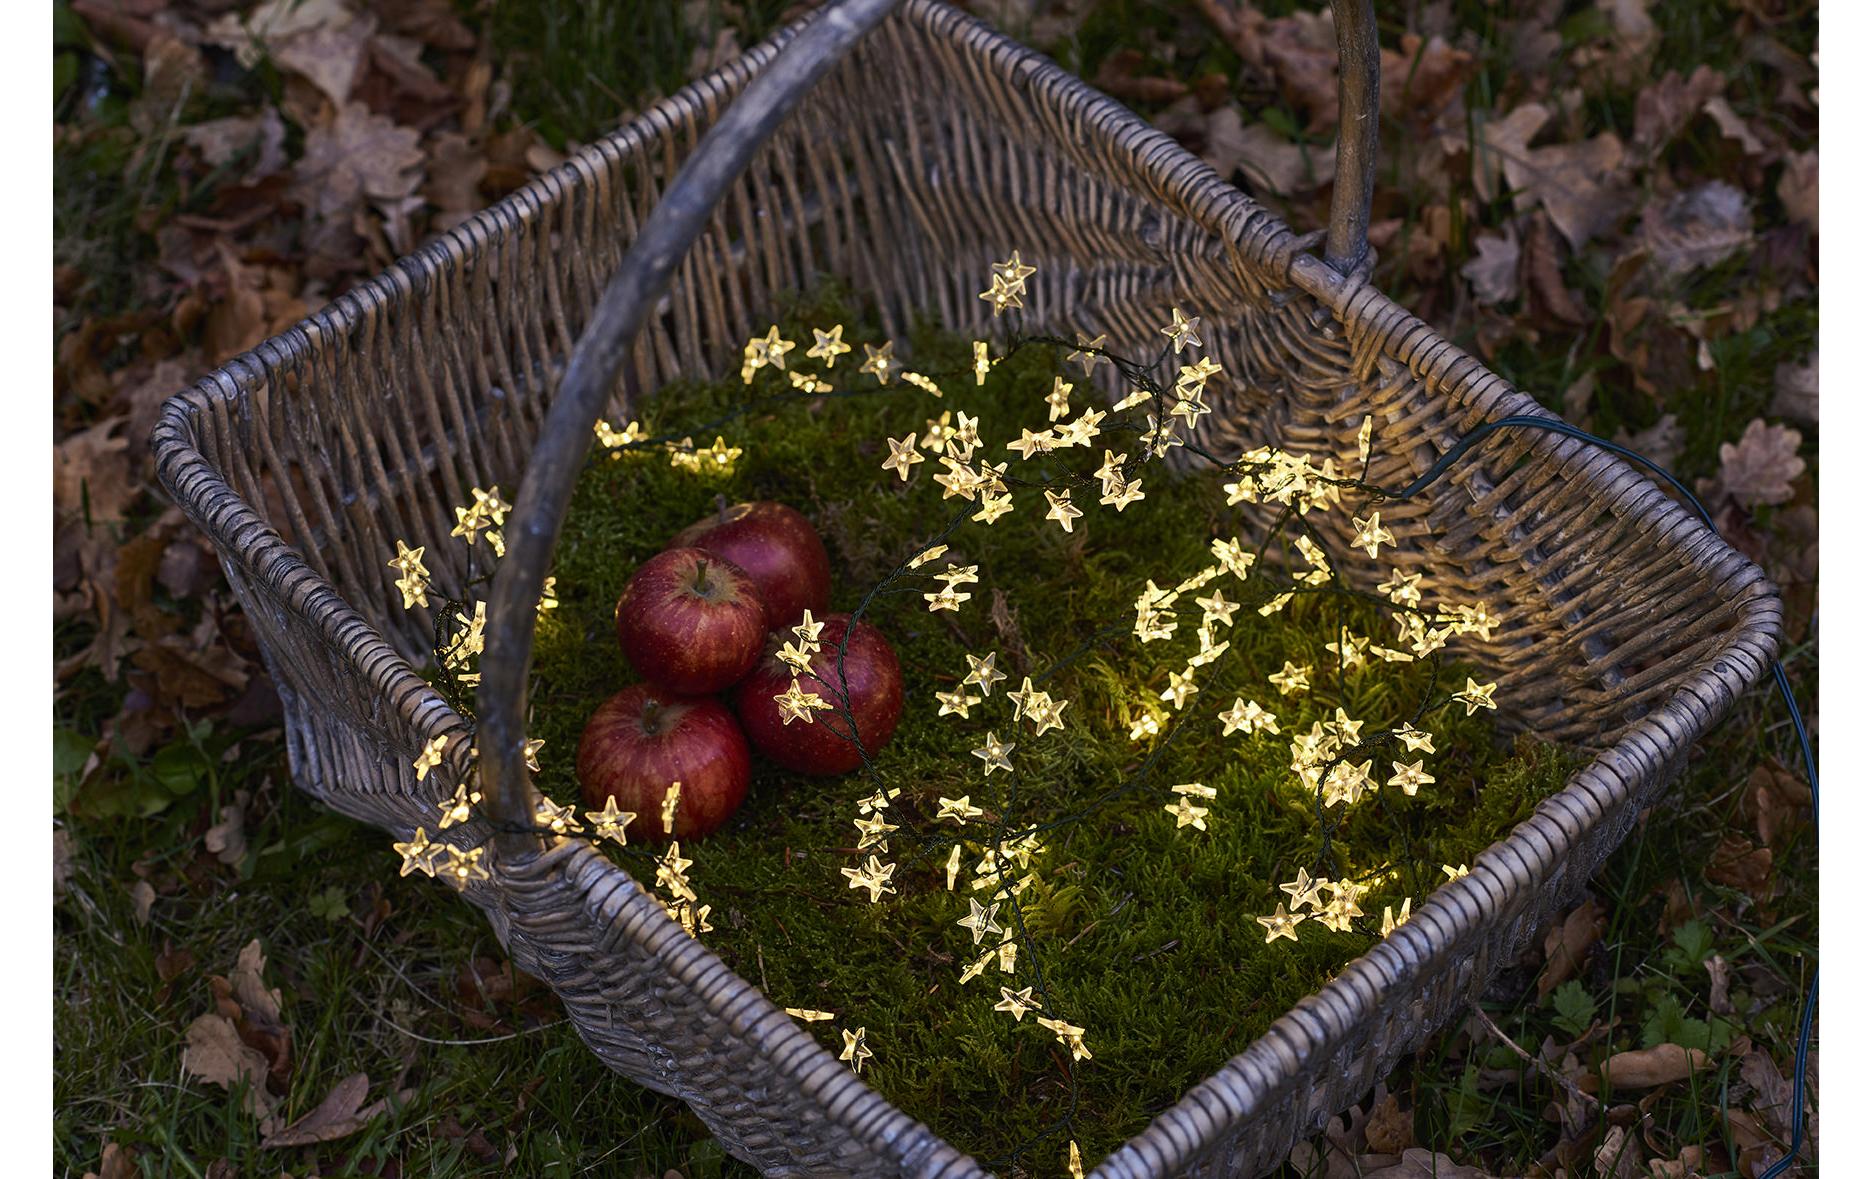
(1628, 628)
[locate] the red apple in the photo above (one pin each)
(874, 691)
(690, 621)
(776, 547)
(643, 739)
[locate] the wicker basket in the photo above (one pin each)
(1628, 628)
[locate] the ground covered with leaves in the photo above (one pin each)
(1613, 204)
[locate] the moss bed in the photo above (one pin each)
(1144, 934)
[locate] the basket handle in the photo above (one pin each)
(667, 234)
(1356, 159)
(566, 435)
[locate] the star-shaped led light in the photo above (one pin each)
(1182, 331)
(947, 598)
(1280, 923)
(1475, 696)
(951, 867)
(994, 754)
(610, 823)
(1456, 872)
(1075, 1169)
(1414, 740)
(1086, 354)
(771, 349)
(1217, 608)
(798, 704)
(1017, 1003)
(1304, 890)
(876, 802)
(1402, 588)
(1290, 679)
(666, 810)
(828, 346)
(1068, 1035)
(918, 380)
(994, 507)
(1188, 813)
(1369, 534)
(409, 561)
(981, 921)
(981, 365)
(959, 810)
(550, 816)
(1061, 510)
(1031, 443)
(1081, 430)
(463, 867)
(879, 362)
(958, 702)
(1059, 400)
(419, 854)
(1409, 777)
(1246, 716)
(874, 877)
(808, 1014)
(982, 673)
(1011, 270)
(1183, 686)
(977, 967)
(1125, 493)
(903, 456)
(1390, 922)
(458, 808)
(1232, 556)
(856, 1053)
(1002, 295)
(672, 872)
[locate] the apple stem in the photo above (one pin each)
(702, 577)
(721, 508)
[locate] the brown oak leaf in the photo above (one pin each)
(357, 156)
(1761, 467)
(1659, 1065)
(341, 1114)
(1697, 227)
(1495, 273)
(1566, 945)
(216, 1054)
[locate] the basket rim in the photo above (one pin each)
(1375, 324)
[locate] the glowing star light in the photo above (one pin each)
(611, 822)
(1059, 404)
(1232, 556)
(1125, 493)
(879, 362)
(463, 867)
(419, 854)
(981, 366)
(666, 810)
(958, 702)
(1246, 716)
(1409, 777)
(1280, 923)
(828, 346)
(458, 808)
(872, 831)
(1075, 1169)
(560, 820)
(1012, 271)
(1304, 890)
(1475, 696)
(1061, 510)
(994, 754)
(1456, 872)
(808, 1014)
(982, 672)
(957, 809)
(1414, 740)
(1182, 331)
(951, 867)
(856, 1053)
(1183, 686)
(981, 921)
(1068, 1035)
(1086, 354)
(1389, 922)
(1369, 534)
(430, 757)
(1290, 679)
(797, 704)
(903, 456)
(1188, 814)
(874, 877)
(1017, 1003)
(1031, 443)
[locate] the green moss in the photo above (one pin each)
(1145, 933)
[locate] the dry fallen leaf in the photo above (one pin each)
(1663, 110)
(357, 156)
(1696, 228)
(1778, 801)
(338, 1116)
(1389, 1129)
(227, 840)
(92, 468)
(1662, 441)
(1761, 467)
(1418, 1163)
(1718, 967)
(221, 141)
(1799, 189)
(321, 40)
(1659, 1065)
(216, 1054)
(118, 1162)
(1732, 124)
(1737, 863)
(1566, 945)
(142, 896)
(1495, 273)
(1798, 390)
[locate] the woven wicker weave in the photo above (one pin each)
(1628, 628)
